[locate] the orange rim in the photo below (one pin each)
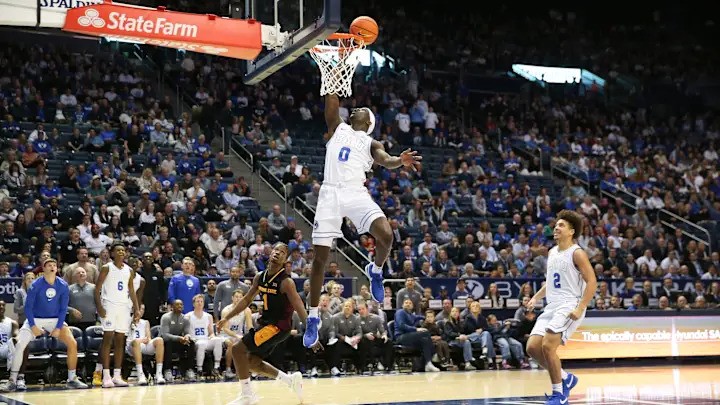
(344, 35)
(339, 36)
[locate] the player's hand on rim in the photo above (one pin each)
(410, 158)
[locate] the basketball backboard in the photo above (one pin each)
(298, 24)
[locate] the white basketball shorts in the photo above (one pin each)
(117, 318)
(336, 202)
(46, 324)
(148, 349)
(555, 319)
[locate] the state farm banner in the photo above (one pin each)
(211, 34)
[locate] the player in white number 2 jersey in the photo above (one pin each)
(350, 153)
(114, 294)
(569, 285)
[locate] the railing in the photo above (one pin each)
(275, 184)
(628, 200)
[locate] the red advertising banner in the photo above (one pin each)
(211, 34)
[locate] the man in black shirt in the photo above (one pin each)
(69, 247)
(155, 292)
(12, 244)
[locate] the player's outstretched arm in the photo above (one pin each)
(408, 158)
(290, 290)
(332, 113)
(244, 302)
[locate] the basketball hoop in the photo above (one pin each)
(337, 56)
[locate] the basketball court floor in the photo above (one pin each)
(689, 385)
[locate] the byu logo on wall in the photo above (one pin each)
(474, 288)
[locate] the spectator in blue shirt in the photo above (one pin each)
(49, 190)
(82, 177)
(205, 162)
(22, 267)
(186, 165)
(496, 206)
(407, 334)
(96, 167)
(46, 305)
(42, 145)
(158, 136)
(201, 146)
(184, 286)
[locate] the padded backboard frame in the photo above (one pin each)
(300, 42)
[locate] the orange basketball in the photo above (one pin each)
(366, 28)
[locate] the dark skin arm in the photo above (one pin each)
(332, 113)
(98, 289)
(288, 288)
(140, 292)
(408, 158)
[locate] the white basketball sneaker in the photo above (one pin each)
(296, 384)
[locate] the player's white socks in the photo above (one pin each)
(313, 312)
(71, 375)
(557, 388)
(246, 389)
(117, 374)
(158, 368)
(98, 367)
(282, 376)
(563, 373)
(13, 376)
(216, 365)
(139, 369)
(106, 374)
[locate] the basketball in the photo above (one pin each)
(365, 27)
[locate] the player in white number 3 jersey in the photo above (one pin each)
(350, 153)
(569, 285)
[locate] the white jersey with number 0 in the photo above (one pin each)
(199, 326)
(564, 282)
(348, 157)
(115, 287)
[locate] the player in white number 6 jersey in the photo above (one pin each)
(350, 153)
(569, 285)
(114, 294)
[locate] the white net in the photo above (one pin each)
(337, 60)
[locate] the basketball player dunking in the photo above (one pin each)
(280, 297)
(114, 294)
(570, 284)
(350, 153)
